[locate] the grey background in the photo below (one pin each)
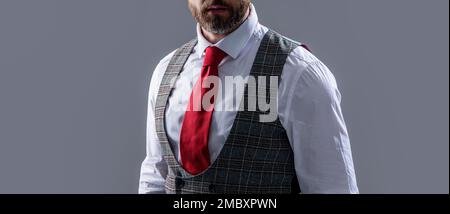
(74, 77)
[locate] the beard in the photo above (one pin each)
(218, 24)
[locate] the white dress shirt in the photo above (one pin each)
(308, 108)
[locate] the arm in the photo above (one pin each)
(311, 114)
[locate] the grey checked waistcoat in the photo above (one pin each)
(257, 156)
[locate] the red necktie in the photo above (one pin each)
(197, 119)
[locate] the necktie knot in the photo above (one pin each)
(213, 56)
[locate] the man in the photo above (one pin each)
(194, 145)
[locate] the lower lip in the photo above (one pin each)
(217, 11)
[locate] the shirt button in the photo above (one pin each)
(179, 183)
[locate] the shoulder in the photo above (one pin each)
(301, 54)
(158, 74)
(164, 62)
(307, 74)
(162, 65)
(160, 69)
(300, 57)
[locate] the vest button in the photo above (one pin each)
(179, 183)
(212, 188)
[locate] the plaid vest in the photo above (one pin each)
(257, 156)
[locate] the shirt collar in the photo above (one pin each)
(233, 43)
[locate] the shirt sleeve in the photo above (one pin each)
(309, 109)
(153, 168)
